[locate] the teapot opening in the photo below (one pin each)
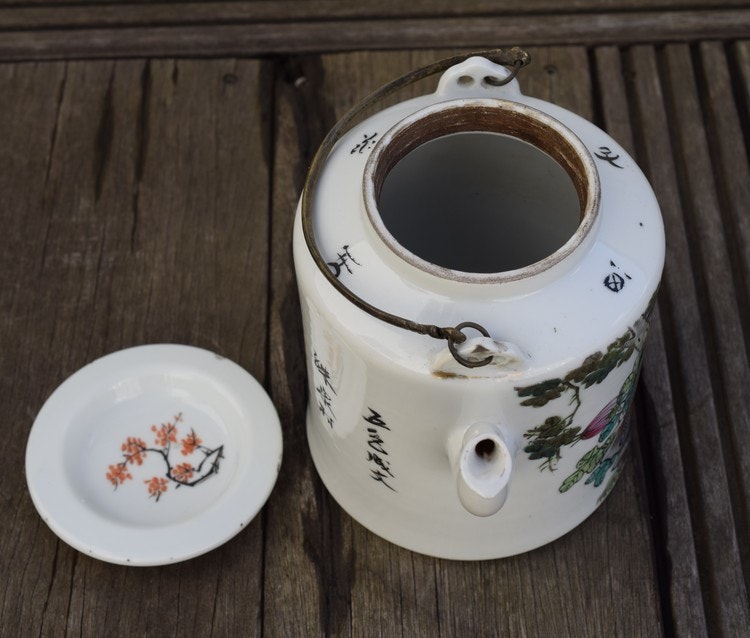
(485, 449)
(481, 193)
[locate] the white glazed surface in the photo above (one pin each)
(80, 438)
(397, 473)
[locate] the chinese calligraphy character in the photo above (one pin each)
(324, 372)
(344, 259)
(607, 155)
(380, 467)
(367, 142)
(324, 399)
(375, 441)
(614, 281)
(375, 419)
(326, 413)
(381, 463)
(380, 477)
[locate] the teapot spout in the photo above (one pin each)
(484, 468)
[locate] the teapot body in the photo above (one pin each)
(436, 456)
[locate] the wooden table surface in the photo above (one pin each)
(151, 157)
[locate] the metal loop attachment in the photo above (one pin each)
(517, 66)
(453, 340)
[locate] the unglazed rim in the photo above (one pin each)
(484, 116)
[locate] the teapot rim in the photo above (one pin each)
(490, 115)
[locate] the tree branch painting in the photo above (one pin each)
(201, 462)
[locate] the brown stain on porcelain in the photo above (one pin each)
(488, 116)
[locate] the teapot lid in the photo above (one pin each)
(153, 454)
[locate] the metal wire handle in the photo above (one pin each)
(515, 58)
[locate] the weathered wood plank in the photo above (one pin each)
(299, 570)
(560, 75)
(353, 35)
(742, 57)
(663, 122)
(673, 534)
(32, 94)
(134, 197)
(728, 349)
(728, 111)
(729, 215)
(609, 78)
(51, 13)
(378, 588)
(137, 197)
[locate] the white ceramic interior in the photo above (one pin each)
(481, 191)
(472, 202)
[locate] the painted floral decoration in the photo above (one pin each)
(201, 463)
(547, 440)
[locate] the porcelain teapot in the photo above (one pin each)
(476, 270)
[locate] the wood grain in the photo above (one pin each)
(726, 138)
(682, 317)
(659, 436)
(298, 565)
(21, 13)
(728, 355)
(251, 38)
(151, 200)
(136, 230)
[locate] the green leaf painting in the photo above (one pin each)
(546, 441)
